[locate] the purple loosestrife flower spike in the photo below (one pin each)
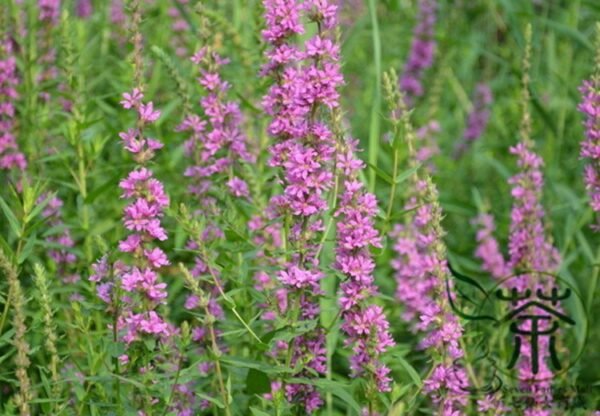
(216, 148)
(421, 274)
(590, 146)
(11, 158)
(530, 251)
(529, 248)
(364, 323)
(142, 218)
(421, 53)
(138, 277)
(217, 142)
(306, 86)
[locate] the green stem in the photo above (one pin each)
(376, 107)
(393, 189)
(217, 354)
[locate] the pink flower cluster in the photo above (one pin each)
(10, 156)
(422, 292)
(528, 247)
(488, 249)
(590, 147)
(143, 291)
(421, 52)
(216, 148)
(365, 324)
(529, 250)
(306, 85)
(49, 11)
(217, 144)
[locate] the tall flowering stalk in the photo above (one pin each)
(529, 248)
(25, 396)
(590, 146)
(532, 255)
(422, 51)
(364, 323)
(216, 149)
(477, 119)
(421, 275)
(46, 304)
(11, 158)
(305, 86)
(138, 277)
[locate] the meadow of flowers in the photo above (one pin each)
(290, 207)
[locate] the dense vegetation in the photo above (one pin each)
(285, 207)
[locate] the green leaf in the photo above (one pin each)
(108, 185)
(381, 174)
(567, 31)
(6, 248)
(257, 382)
(39, 207)
(27, 249)
(414, 376)
(407, 174)
(115, 349)
(12, 220)
(217, 402)
(237, 362)
(256, 412)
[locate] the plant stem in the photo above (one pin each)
(376, 107)
(217, 354)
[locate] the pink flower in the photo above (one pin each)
(147, 113)
(131, 243)
(133, 99)
(156, 257)
(238, 187)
